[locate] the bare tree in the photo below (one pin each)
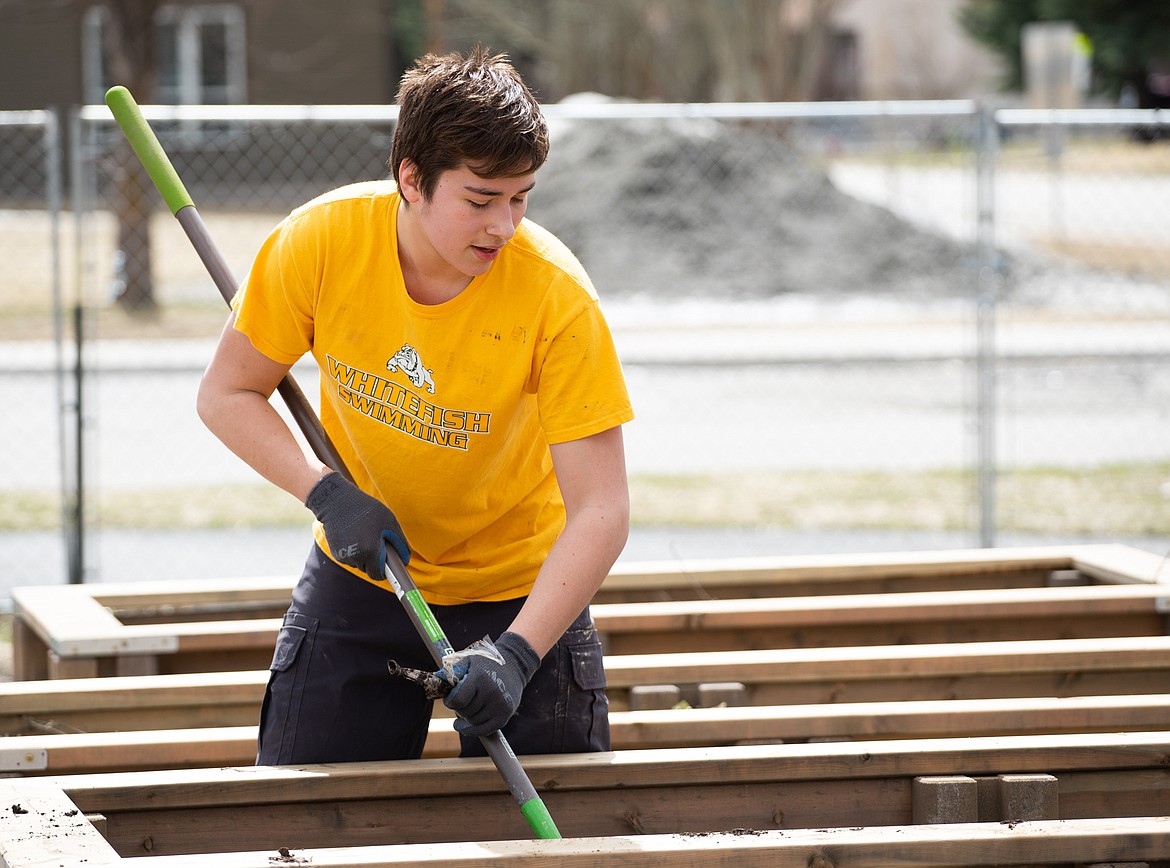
(672, 50)
(131, 52)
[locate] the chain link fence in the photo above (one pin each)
(38, 467)
(845, 326)
(1083, 344)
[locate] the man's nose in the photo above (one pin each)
(503, 222)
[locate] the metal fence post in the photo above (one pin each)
(73, 473)
(53, 156)
(987, 287)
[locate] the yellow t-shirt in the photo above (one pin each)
(444, 412)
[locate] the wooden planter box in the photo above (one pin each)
(969, 744)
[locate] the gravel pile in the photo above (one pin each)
(701, 208)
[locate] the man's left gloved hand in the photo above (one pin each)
(487, 692)
(357, 526)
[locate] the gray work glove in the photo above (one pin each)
(357, 526)
(488, 687)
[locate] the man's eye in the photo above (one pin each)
(475, 204)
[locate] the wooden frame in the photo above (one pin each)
(678, 792)
(91, 630)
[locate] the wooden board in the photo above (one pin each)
(884, 619)
(683, 791)
(131, 702)
(209, 747)
(1070, 842)
(1059, 667)
(880, 572)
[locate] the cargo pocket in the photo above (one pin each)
(588, 671)
(288, 645)
(588, 725)
(288, 674)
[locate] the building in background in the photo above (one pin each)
(345, 52)
(907, 49)
(262, 51)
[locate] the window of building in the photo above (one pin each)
(200, 51)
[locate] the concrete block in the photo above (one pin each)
(945, 799)
(1028, 797)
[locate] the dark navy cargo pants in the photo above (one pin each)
(330, 697)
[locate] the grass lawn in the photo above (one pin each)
(1123, 500)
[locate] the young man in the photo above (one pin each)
(470, 383)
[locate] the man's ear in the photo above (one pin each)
(408, 182)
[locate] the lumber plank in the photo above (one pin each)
(892, 720)
(73, 667)
(705, 808)
(74, 753)
(967, 846)
(650, 791)
(882, 619)
(30, 654)
(191, 595)
(1063, 667)
(821, 762)
(73, 623)
(84, 753)
(40, 827)
(910, 606)
(1023, 566)
(903, 661)
(746, 578)
(133, 702)
(1121, 564)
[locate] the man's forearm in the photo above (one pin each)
(575, 567)
(256, 433)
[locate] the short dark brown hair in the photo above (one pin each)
(474, 110)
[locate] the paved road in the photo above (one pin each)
(766, 387)
(1030, 205)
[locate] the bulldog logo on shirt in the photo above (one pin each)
(410, 363)
(399, 405)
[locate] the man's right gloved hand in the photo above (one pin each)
(357, 526)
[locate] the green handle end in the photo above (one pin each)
(145, 144)
(539, 819)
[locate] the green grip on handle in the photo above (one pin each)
(145, 144)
